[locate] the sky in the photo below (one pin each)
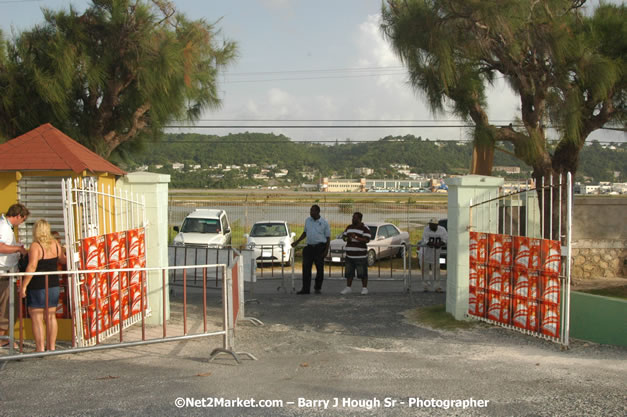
(308, 63)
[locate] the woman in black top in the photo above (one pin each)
(44, 254)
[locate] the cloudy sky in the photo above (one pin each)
(311, 63)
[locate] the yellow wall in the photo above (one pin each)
(8, 190)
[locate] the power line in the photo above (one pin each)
(312, 126)
(338, 141)
(20, 1)
(312, 78)
(344, 120)
(307, 71)
(452, 126)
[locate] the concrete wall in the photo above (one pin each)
(154, 187)
(598, 319)
(599, 237)
(600, 218)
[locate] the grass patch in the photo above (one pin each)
(436, 317)
(615, 292)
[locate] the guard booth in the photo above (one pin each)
(33, 167)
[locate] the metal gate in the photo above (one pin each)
(520, 250)
(42, 196)
(104, 230)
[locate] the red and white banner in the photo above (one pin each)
(515, 280)
(117, 250)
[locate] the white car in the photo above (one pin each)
(387, 241)
(204, 228)
(271, 241)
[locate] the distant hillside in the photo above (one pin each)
(421, 155)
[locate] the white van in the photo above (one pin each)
(204, 227)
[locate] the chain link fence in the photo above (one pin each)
(407, 216)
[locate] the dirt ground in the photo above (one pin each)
(321, 355)
(598, 283)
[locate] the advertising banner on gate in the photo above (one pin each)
(499, 279)
(478, 248)
(101, 301)
(550, 289)
(551, 257)
(499, 250)
(526, 253)
(516, 280)
(526, 284)
(550, 320)
(477, 278)
(476, 302)
(525, 314)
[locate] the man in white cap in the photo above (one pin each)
(434, 238)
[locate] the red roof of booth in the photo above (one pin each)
(48, 149)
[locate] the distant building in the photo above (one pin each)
(506, 169)
(342, 185)
(178, 166)
(364, 171)
(589, 189)
(399, 166)
(620, 187)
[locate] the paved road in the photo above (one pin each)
(360, 351)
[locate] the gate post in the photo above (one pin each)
(154, 187)
(461, 190)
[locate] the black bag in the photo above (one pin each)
(22, 263)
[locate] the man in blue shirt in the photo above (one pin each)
(318, 236)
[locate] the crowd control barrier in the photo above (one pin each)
(108, 320)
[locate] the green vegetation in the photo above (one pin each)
(260, 149)
(113, 75)
(566, 66)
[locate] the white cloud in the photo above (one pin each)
(276, 4)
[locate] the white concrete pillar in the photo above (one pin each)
(461, 190)
(154, 187)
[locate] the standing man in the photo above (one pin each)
(434, 237)
(318, 236)
(10, 252)
(357, 236)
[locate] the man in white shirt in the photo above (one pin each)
(434, 238)
(10, 252)
(318, 235)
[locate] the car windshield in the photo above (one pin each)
(268, 230)
(191, 225)
(373, 231)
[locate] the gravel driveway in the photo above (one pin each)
(326, 355)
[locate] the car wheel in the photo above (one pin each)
(401, 251)
(372, 257)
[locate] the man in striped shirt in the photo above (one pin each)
(357, 236)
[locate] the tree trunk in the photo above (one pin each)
(482, 159)
(552, 190)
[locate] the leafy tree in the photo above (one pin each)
(113, 75)
(567, 68)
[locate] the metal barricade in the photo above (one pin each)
(226, 329)
(407, 268)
